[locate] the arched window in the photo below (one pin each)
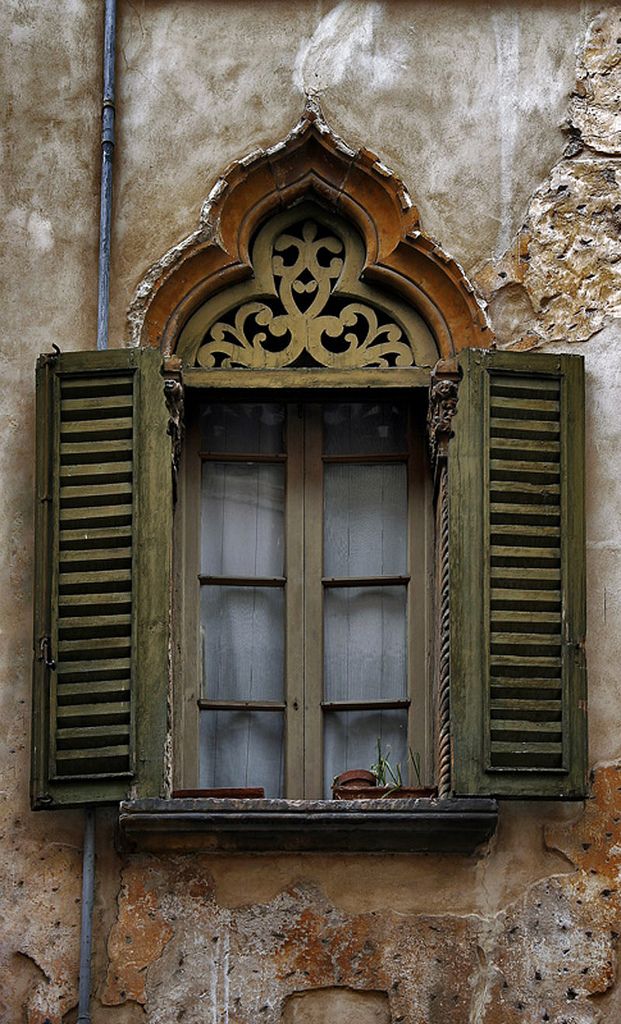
(334, 584)
(307, 520)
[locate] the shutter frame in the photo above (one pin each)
(476, 767)
(139, 764)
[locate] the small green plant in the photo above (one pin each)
(415, 759)
(383, 771)
(390, 776)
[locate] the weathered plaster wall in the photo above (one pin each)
(503, 120)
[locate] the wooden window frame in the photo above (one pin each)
(303, 730)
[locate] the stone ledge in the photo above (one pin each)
(305, 826)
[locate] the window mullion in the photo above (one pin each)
(313, 603)
(419, 719)
(294, 599)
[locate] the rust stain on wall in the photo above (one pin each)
(547, 956)
(137, 938)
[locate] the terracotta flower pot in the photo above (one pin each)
(355, 778)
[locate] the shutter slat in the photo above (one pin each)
(95, 603)
(91, 495)
(100, 668)
(536, 536)
(530, 707)
(98, 408)
(83, 473)
(82, 714)
(71, 739)
(521, 599)
(97, 430)
(95, 537)
(97, 581)
(98, 647)
(101, 691)
(109, 515)
(524, 449)
(94, 625)
(107, 557)
(80, 452)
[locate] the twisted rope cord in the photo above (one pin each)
(444, 722)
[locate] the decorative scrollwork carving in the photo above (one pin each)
(442, 405)
(173, 393)
(306, 305)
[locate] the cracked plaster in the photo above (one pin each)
(551, 951)
(560, 278)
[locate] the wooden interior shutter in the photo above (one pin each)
(516, 508)
(102, 577)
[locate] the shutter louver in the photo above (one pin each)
(518, 599)
(91, 695)
(525, 560)
(102, 452)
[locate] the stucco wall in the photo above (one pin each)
(503, 121)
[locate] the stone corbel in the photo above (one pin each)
(173, 393)
(443, 395)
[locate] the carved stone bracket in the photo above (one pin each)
(443, 396)
(173, 393)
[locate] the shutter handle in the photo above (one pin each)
(46, 653)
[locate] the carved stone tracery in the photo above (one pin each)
(305, 305)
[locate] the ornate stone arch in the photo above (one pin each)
(311, 164)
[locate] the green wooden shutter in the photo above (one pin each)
(102, 577)
(516, 508)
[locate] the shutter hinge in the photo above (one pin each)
(45, 647)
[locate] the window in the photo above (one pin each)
(310, 546)
(506, 691)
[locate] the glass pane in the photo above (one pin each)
(350, 741)
(242, 634)
(361, 428)
(242, 748)
(242, 519)
(251, 428)
(365, 643)
(365, 530)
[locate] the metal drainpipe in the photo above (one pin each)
(86, 925)
(103, 303)
(107, 150)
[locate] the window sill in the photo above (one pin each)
(305, 826)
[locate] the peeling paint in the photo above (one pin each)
(345, 39)
(595, 111)
(550, 951)
(137, 939)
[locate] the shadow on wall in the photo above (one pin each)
(324, 1005)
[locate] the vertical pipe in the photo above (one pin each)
(107, 150)
(86, 932)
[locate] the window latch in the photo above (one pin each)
(45, 656)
